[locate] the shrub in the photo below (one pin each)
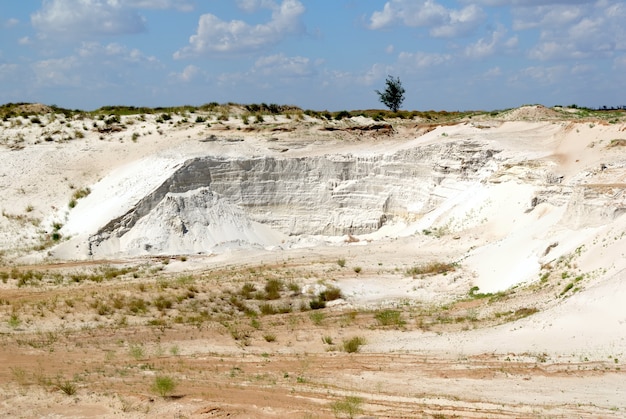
(317, 304)
(432, 268)
(353, 344)
(273, 287)
(317, 318)
(389, 318)
(67, 387)
(330, 294)
(137, 352)
(163, 385)
(350, 406)
(247, 290)
(341, 262)
(267, 308)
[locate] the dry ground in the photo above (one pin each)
(90, 340)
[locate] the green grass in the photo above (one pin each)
(389, 318)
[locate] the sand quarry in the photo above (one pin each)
(217, 262)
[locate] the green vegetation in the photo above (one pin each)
(348, 407)
(389, 318)
(393, 95)
(353, 344)
(67, 387)
(433, 268)
(163, 385)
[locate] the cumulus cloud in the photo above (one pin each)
(69, 18)
(485, 47)
(460, 22)
(84, 18)
(189, 73)
(443, 22)
(218, 36)
(574, 30)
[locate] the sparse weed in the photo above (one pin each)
(390, 318)
(353, 344)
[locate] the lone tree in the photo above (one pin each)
(393, 96)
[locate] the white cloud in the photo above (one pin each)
(10, 23)
(443, 22)
(542, 75)
(460, 22)
(486, 47)
(281, 66)
(573, 30)
(188, 74)
(93, 65)
(182, 5)
(84, 18)
(115, 51)
(493, 72)
(371, 76)
(218, 36)
(7, 70)
(620, 62)
(58, 72)
(71, 18)
(251, 6)
(422, 60)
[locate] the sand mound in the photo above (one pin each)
(530, 113)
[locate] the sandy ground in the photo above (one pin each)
(92, 338)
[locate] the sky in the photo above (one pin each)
(315, 54)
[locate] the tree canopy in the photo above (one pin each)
(393, 96)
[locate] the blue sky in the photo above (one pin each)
(316, 54)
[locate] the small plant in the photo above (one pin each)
(67, 387)
(353, 344)
(341, 262)
(330, 294)
(349, 407)
(14, 321)
(357, 269)
(433, 268)
(328, 340)
(317, 304)
(389, 318)
(269, 337)
(135, 137)
(163, 385)
(317, 317)
(137, 352)
(273, 287)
